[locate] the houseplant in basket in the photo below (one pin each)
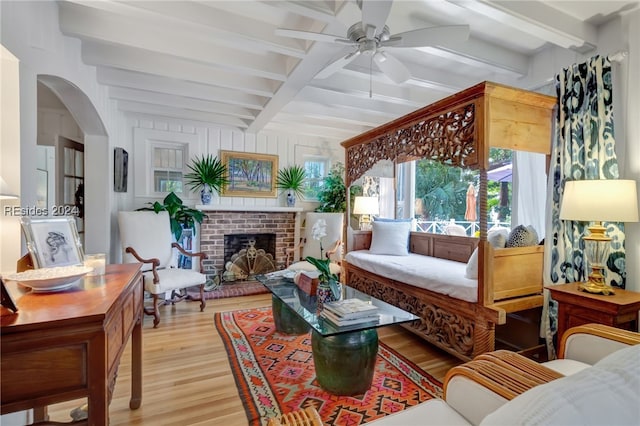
(291, 179)
(207, 174)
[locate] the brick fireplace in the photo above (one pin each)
(284, 222)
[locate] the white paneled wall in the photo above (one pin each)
(290, 150)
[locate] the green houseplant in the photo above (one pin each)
(207, 174)
(292, 180)
(333, 195)
(181, 216)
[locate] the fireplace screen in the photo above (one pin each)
(247, 255)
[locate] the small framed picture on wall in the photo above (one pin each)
(120, 169)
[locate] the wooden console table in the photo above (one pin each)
(67, 345)
(577, 307)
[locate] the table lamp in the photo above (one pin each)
(365, 207)
(610, 200)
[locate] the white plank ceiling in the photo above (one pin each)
(222, 62)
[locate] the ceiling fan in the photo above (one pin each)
(371, 37)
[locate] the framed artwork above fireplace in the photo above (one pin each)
(250, 174)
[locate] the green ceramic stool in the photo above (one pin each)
(345, 363)
(286, 320)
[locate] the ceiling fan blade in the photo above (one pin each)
(307, 35)
(374, 15)
(337, 65)
(429, 36)
(391, 67)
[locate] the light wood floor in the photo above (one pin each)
(186, 375)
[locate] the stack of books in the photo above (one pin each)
(349, 312)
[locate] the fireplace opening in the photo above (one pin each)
(247, 255)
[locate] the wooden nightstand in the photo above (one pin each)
(577, 307)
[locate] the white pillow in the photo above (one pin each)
(304, 266)
(454, 229)
(498, 237)
(471, 271)
(604, 394)
(390, 238)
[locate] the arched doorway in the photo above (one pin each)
(94, 174)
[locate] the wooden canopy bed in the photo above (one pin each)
(459, 130)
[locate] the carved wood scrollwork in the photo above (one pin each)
(448, 137)
(437, 325)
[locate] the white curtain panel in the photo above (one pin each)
(529, 191)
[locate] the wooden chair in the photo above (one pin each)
(303, 417)
(331, 243)
(146, 237)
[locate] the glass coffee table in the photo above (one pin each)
(344, 356)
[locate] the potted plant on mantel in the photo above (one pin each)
(291, 179)
(208, 174)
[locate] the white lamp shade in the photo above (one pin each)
(366, 205)
(607, 200)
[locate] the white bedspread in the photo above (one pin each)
(439, 275)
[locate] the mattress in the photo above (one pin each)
(438, 275)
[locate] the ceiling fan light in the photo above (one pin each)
(381, 57)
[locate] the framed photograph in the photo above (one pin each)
(250, 174)
(53, 241)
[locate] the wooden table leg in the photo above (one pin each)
(136, 365)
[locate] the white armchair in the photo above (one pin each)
(331, 243)
(601, 369)
(146, 237)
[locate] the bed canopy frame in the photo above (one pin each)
(459, 130)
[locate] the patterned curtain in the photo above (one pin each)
(583, 149)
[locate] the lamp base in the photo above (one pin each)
(365, 226)
(596, 283)
(365, 222)
(596, 250)
(595, 288)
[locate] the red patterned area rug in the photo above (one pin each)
(275, 374)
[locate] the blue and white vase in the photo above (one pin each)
(291, 199)
(324, 293)
(205, 194)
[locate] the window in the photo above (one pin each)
(168, 165)
(435, 193)
(160, 160)
(316, 169)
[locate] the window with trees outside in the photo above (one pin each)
(435, 194)
(316, 168)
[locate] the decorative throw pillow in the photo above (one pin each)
(387, 219)
(390, 238)
(453, 229)
(409, 220)
(498, 237)
(471, 271)
(522, 236)
(578, 399)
